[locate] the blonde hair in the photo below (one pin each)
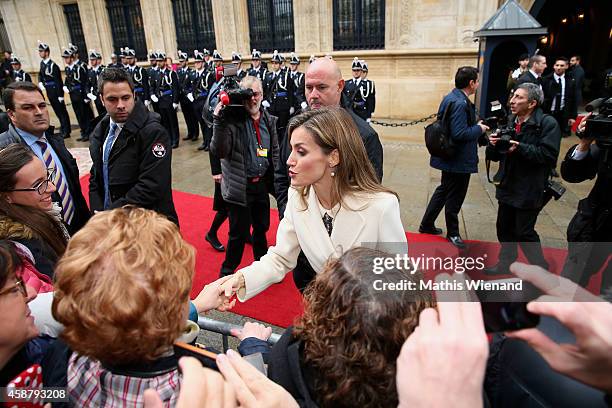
(249, 80)
(122, 287)
(332, 128)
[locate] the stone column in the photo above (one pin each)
(96, 28)
(158, 22)
(313, 26)
(231, 27)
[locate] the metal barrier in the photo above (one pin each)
(224, 329)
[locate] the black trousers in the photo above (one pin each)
(561, 117)
(59, 108)
(170, 122)
(281, 124)
(100, 106)
(83, 113)
(516, 226)
(190, 118)
(257, 214)
(449, 195)
(198, 107)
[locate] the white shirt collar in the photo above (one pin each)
(534, 74)
(119, 125)
(557, 76)
(46, 61)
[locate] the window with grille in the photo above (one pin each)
(271, 25)
(126, 26)
(75, 28)
(195, 28)
(359, 24)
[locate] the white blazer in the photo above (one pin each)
(371, 220)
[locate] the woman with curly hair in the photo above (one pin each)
(27, 213)
(342, 351)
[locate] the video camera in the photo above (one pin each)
(599, 127)
(228, 92)
(498, 122)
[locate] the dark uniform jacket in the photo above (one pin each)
(92, 76)
(228, 144)
(139, 169)
(370, 140)
(259, 73)
(140, 77)
(51, 77)
(523, 173)
(279, 90)
(186, 77)
(299, 95)
(359, 96)
(168, 88)
(21, 76)
(153, 74)
(71, 170)
(202, 83)
(77, 82)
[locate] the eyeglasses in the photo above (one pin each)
(256, 94)
(19, 285)
(40, 188)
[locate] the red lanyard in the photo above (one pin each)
(256, 125)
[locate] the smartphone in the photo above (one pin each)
(207, 357)
(506, 310)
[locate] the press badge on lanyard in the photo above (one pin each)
(261, 152)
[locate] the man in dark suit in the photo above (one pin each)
(27, 109)
(537, 65)
(50, 80)
(577, 72)
(560, 96)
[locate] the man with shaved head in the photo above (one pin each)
(324, 85)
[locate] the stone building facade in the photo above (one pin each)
(425, 40)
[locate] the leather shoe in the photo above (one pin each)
(194, 138)
(203, 147)
(554, 173)
(496, 270)
(215, 243)
(175, 145)
(430, 230)
(66, 136)
(456, 241)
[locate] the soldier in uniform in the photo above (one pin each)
(237, 59)
(186, 77)
(94, 72)
(18, 73)
(356, 91)
(217, 59)
(123, 57)
(299, 95)
(139, 77)
(369, 93)
(76, 56)
(154, 75)
(50, 79)
(256, 68)
(77, 86)
(204, 80)
(114, 63)
(278, 94)
(350, 85)
(168, 94)
(208, 62)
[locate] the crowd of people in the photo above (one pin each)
(96, 296)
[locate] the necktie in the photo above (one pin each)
(60, 183)
(108, 144)
(558, 96)
(328, 222)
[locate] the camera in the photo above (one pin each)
(599, 127)
(228, 92)
(498, 119)
(505, 135)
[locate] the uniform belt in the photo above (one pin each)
(202, 94)
(168, 92)
(50, 83)
(138, 89)
(358, 103)
(76, 88)
(281, 94)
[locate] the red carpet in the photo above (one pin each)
(281, 303)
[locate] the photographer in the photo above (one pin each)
(590, 232)
(526, 150)
(246, 141)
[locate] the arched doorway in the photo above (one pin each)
(579, 27)
(503, 59)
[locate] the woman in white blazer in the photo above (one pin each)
(335, 203)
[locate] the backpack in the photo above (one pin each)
(437, 136)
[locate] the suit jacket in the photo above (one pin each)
(71, 170)
(551, 88)
(363, 219)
